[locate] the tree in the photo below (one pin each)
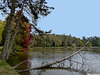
(95, 41)
(73, 46)
(64, 43)
(84, 39)
(17, 25)
(32, 8)
(11, 5)
(1, 30)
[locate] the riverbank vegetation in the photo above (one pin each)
(15, 30)
(54, 40)
(6, 69)
(23, 16)
(19, 32)
(25, 40)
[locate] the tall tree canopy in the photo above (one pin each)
(30, 8)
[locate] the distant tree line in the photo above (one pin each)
(53, 40)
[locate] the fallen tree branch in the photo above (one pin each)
(20, 63)
(66, 68)
(50, 64)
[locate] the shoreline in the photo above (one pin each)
(6, 69)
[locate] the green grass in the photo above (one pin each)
(6, 69)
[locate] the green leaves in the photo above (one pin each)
(2, 25)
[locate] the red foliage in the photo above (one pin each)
(28, 37)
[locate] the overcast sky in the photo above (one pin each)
(76, 17)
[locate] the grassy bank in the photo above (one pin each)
(6, 69)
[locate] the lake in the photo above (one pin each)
(84, 63)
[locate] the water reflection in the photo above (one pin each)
(54, 72)
(44, 56)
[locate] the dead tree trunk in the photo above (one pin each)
(58, 61)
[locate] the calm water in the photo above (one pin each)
(87, 62)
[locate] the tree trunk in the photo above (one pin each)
(14, 37)
(7, 40)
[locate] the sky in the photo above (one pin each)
(76, 17)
